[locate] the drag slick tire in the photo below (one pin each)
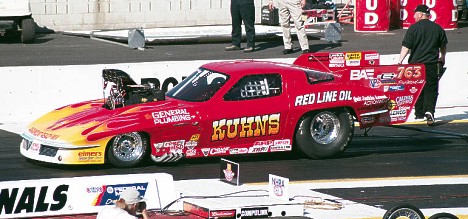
(403, 211)
(443, 216)
(127, 150)
(325, 133)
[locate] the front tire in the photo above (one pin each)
(325, 133)
(127, 150)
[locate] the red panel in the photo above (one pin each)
(372, 16)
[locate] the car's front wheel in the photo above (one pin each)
(127, 150)
(325, 133)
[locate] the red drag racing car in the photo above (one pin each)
(230, 108)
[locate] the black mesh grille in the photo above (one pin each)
(48, 151)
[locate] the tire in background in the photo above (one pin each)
(401, 211)
(28, 32)
(443, 215)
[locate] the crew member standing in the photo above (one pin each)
(427, 43)
(291, 9)
(242, 11)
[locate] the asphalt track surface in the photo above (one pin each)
(385, 153)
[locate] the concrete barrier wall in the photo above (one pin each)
(28, 92)
(60, 15)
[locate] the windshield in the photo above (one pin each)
(199, 86)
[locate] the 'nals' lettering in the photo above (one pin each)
(246, 127)
(28, 202)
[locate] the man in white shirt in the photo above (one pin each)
(130, 202)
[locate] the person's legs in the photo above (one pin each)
(296, 15)
(284, 22)
(431, 88)
(247, 12)
(236, 32)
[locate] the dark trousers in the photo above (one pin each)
(428, 98)
(243, 11)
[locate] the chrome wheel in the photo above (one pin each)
(128, 149)
(325, 127)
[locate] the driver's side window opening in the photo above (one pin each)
(255, 87)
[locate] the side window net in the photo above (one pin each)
(255, 86)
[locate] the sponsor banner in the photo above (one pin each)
(372, 16)
(80, 195)
(259, 212)
(278, 187)
(229, 172)
(443, 13)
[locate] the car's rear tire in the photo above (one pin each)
(127, 150)
(28, 32)
(325, 133)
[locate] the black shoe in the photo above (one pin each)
(249, 49)
(305, 51)
(419, 118)
(232, 48)
(287, 51)
(430, 118)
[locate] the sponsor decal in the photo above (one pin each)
(89, 156)
(205, 151)
(195, 137)
(322, 97)
(389, 75)
(369, 98)
(246, 127)
(170, 116)
(281, 145)
(404, 100)
(411, 82)
(175, 146)
(191, 152)
(221, 150)
(33, 199)
(318, 58)
(353, 62)
(413, 90)
(278, 186)
(394, 88)
(191, 144)
(95, 189)
(388, 81)
(260, 212)
(336, 65)
(357, 74)
(223, 214)
(397, 113)
(337, 58)
(44, 135)
(263, 143)
(238, 151)
(374, 83)
(111, 193)
(353, 56)
(259, 149)
(371, 56)
(228, 174)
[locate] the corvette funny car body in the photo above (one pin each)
(230, 108)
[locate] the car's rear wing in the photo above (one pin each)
(384, 95)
